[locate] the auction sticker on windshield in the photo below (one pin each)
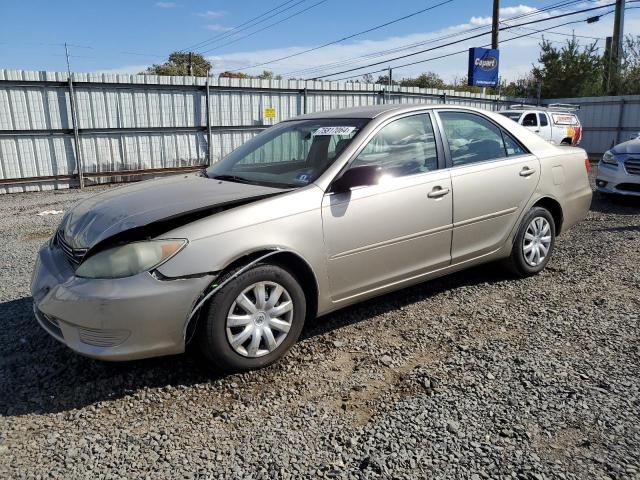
(334, 131)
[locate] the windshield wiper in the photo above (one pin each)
(232, 178)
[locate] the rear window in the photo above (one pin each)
(512, 115)
(564, 119)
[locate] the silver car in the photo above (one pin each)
(315, 213)
(619, 170)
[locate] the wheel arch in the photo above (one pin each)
(554, 207)
(287, 259)
(290, 261)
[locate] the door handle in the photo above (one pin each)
(438, 192)
(527, 172)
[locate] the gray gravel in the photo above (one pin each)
(476, 375)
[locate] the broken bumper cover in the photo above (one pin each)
(112, 319)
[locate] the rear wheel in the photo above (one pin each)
(534, 243)
(253, 320)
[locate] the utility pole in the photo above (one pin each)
(616, 47)
(606, 81)
(495, 24)
(190, 64)
(389, 87)
(495, 29)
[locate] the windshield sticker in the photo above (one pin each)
(334, 131)
(303, 177)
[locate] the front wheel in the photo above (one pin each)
(253, 320)
(534, 242)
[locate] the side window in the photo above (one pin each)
(544, 121)
(530, 120)
(513, 148)
(472, 138)
(406, 146)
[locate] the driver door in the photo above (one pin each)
(382, 234)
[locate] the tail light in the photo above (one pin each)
(577, 135)
(587, 164)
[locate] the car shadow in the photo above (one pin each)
(40, 375)
(615, 204)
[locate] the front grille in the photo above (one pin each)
(629, 187)
(102, 338)
(633, 166)
(75, 255)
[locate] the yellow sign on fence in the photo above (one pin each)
(269, 112)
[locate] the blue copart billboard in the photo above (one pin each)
(483, 67)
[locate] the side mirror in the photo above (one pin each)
(357, 177)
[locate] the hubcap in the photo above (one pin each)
(537, 241)
(259, 319)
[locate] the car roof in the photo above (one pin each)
(374, 111)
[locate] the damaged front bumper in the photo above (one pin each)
(112, 319)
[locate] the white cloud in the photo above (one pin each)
(166, 4)
(212, 14)
(216, 27)
(480, 21)
(505, 14)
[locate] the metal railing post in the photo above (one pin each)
(305, 107)
(76, 134)
(208, 109)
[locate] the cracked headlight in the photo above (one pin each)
(130, 259)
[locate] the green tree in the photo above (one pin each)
(268, 75)
(630, 72)
(569, 71)
(265, 75)
(178, 64)
(424, 80)
(384, 80)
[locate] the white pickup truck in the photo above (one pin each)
(556, 123)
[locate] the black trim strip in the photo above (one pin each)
(120, 130)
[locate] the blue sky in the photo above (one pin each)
(126, 36)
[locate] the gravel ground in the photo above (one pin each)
(475, 375)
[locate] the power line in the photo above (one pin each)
(264, 28)
(463, 40)
(348, 37)
(307, 71)
(237, 28)
(466, 50)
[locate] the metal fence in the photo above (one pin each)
(606, 121)
(57, 131)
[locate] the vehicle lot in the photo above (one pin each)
(472, 374)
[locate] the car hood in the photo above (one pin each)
(142, 204)
(627, 148)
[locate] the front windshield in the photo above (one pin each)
(290, 154)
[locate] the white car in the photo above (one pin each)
(619, 169)
(557, 123)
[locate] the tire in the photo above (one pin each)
(225, 319)
(523, 261)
